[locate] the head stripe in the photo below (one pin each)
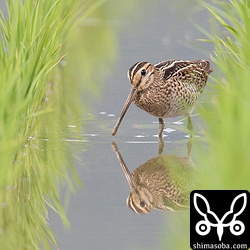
(135, 68)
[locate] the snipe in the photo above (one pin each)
(166, 89)
(163, 182)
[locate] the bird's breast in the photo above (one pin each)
(168, 100)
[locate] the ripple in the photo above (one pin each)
(169, 130)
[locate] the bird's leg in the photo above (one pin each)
(190, 126)
(160, 146)
(189, 146)
(191, 130)
(161, 126)
(161, 142)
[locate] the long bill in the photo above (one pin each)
(124, 109)
(123, 166)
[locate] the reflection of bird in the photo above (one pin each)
(166, 89)
(163, 182)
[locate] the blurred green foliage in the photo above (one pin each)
(33, 162)
(225, 165)
(40, 109)
(223, 158)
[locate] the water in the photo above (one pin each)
(98, 214)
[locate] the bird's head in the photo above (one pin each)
(141, 75)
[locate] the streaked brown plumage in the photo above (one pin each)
(163, 182)
(166, 89)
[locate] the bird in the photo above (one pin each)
(163, 182)
(166, 89)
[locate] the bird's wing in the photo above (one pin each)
(183, 67)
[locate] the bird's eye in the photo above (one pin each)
(143, 72)
(142, 204)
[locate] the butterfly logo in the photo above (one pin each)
(203, 227)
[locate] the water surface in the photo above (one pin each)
(98, 214)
